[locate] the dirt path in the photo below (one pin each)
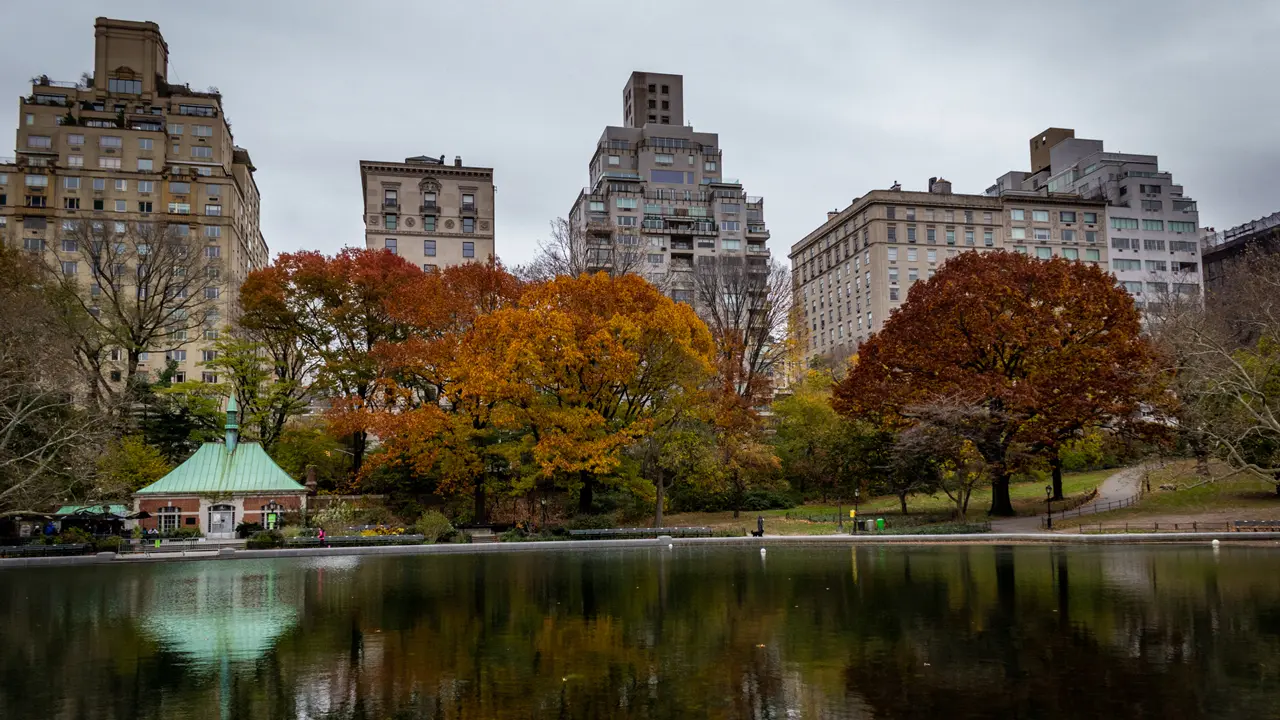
(1120, 485)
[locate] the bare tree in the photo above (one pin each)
(577, 250)
(746, 302)
(1226, 361)
(151, 287)
(48, 440)
(943, 448)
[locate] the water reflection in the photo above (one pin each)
(885, 632)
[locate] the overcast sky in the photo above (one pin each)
(815, 102)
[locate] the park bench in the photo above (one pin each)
(37, 550)
(355, 541)
(621, 533)
(1257, 525)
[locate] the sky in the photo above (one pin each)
(816, 102)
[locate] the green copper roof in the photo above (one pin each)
(92, 509)
(214, 471)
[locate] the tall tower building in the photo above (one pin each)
(125, 150)
(658, 194)
(1153, 226)
(431, 213)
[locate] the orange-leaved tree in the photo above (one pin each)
(602, 361)
(337, 308)
(447, 380)
(1041, 344)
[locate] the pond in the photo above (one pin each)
(942, 631)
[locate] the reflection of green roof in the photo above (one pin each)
(212, 470)
(91, 510)
(217, 611)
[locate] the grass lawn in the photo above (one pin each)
(1238, 497)
(1028, 499)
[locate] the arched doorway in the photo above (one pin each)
(222, 521)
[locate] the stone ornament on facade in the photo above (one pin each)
(484, 224)
(408, 222)
(448, 224)
(373, 219)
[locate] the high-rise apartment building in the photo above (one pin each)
(430, 213)
(1153, 226)
(658, 194)
(127, 152)
(850, 273)
(1222, 250)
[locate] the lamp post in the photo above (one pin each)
(1048, 506)
(856, 497)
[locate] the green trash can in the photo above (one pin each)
(879, 523)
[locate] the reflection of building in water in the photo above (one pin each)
(218, 611)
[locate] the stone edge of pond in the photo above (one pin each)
(107, 558)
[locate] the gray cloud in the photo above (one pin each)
(815, 102)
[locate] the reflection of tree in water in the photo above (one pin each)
(873, 632)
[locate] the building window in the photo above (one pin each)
(468, 249)
(1040, 216)
(202, 130)
(627, 220)
(69, 268)
(1091, 218)
(988, 238)
(1150, 189)
(664, 159)
(1020, 249)
(1092, 254)
(951, 236)
(178, 208)
(202, 151)
(931, 236)
(144, 206)
(1123, 223)
(429, 223)
(893, 254)
(145, 165)
(213, 210)
(468, 202)
(211, 293)
(75, 161)
(892, 233)
(1068, 236)
(1181, 227)
(209, 377)
(911, 233)
(1018, 214)
(469, 224)
(75, 140)
(911, 255)
(1182, 246)
(390, 221)
(1042, 234)
(709, 166)
(1157, 266)
(213, 251)
(42, 142)
(627, 203)
(1071, 253)
(615, 161)
(1044, 253)
(390, 244)
(121, 206)
(1122, 264)
(1149, 244)
(71, 203)
(428, 267)
(1067, 216)
(1156, 225)
(1132, 286)
(730, 244)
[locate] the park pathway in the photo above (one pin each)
(1121, 485)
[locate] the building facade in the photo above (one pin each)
(658, 194)
(431, 214)
(1220, 250)
(125, 149)
(850, 273)
(1153, 225)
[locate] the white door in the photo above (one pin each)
(222, 521)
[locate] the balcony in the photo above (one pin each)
(682, 245)
(758, 229)
(753, 249)
(428, 208)
(599, 223)
(391, 205)
(469, 208)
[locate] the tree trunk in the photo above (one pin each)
(1055, 464)
(902, 499)
(1001, 505)
(586, 496)
(359, 441)
(480, 514)
(657, 521)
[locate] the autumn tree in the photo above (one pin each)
(447, 382)
(803, 427)
(336, 308)
(1012, 334)
(129, 288)
(746, 303)
(942, 448)
(603, 361)
(573, 249)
